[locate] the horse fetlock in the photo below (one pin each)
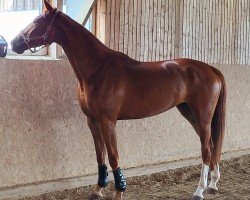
(103, 176)
(203, 181)
(203, 186)
(117, 195)
(120, 181)
(212, 185)
(98, 192)
(215, 176)
(199, 192)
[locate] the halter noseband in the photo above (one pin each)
(44, 36)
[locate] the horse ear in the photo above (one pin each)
(47, 5)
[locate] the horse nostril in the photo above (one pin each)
(12, 45)
(13, 42)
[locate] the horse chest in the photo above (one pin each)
(88, 103)
(83, 101)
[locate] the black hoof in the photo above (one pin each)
(211, 191)
(196, 198)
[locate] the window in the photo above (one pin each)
(17, 14)
(89, 23)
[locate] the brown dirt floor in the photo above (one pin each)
(173, 184)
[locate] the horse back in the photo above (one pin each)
(154, 87)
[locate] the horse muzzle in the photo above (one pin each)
(18, 45)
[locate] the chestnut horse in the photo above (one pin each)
(114, 87)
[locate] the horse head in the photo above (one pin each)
(38, 33)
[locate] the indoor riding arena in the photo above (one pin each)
(125, 99)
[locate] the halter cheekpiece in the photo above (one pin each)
(44, 36)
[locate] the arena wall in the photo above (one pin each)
(44, 134)
(211, 31)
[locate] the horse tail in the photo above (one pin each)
(218, 121)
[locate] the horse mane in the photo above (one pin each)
(85, 31)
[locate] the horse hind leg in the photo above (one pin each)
(203, 129)
(186, 112)
(203, 110)
(215, 171)
(218, 131)
(217, 137)
(205, 136)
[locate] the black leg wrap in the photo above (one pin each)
(103, 176)
(120, 182)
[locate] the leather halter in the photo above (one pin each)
(44, 36)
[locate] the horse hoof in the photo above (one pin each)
(211, 191)
(196, 198)
(97, 193)
(117, 195)
(95, 197)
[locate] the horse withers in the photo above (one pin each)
(114, 87)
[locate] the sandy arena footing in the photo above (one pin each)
(174, 180)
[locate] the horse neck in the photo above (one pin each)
(84, 51)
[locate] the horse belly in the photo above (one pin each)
(151, 102)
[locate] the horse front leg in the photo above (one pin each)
(109, 135)
(100, 156)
